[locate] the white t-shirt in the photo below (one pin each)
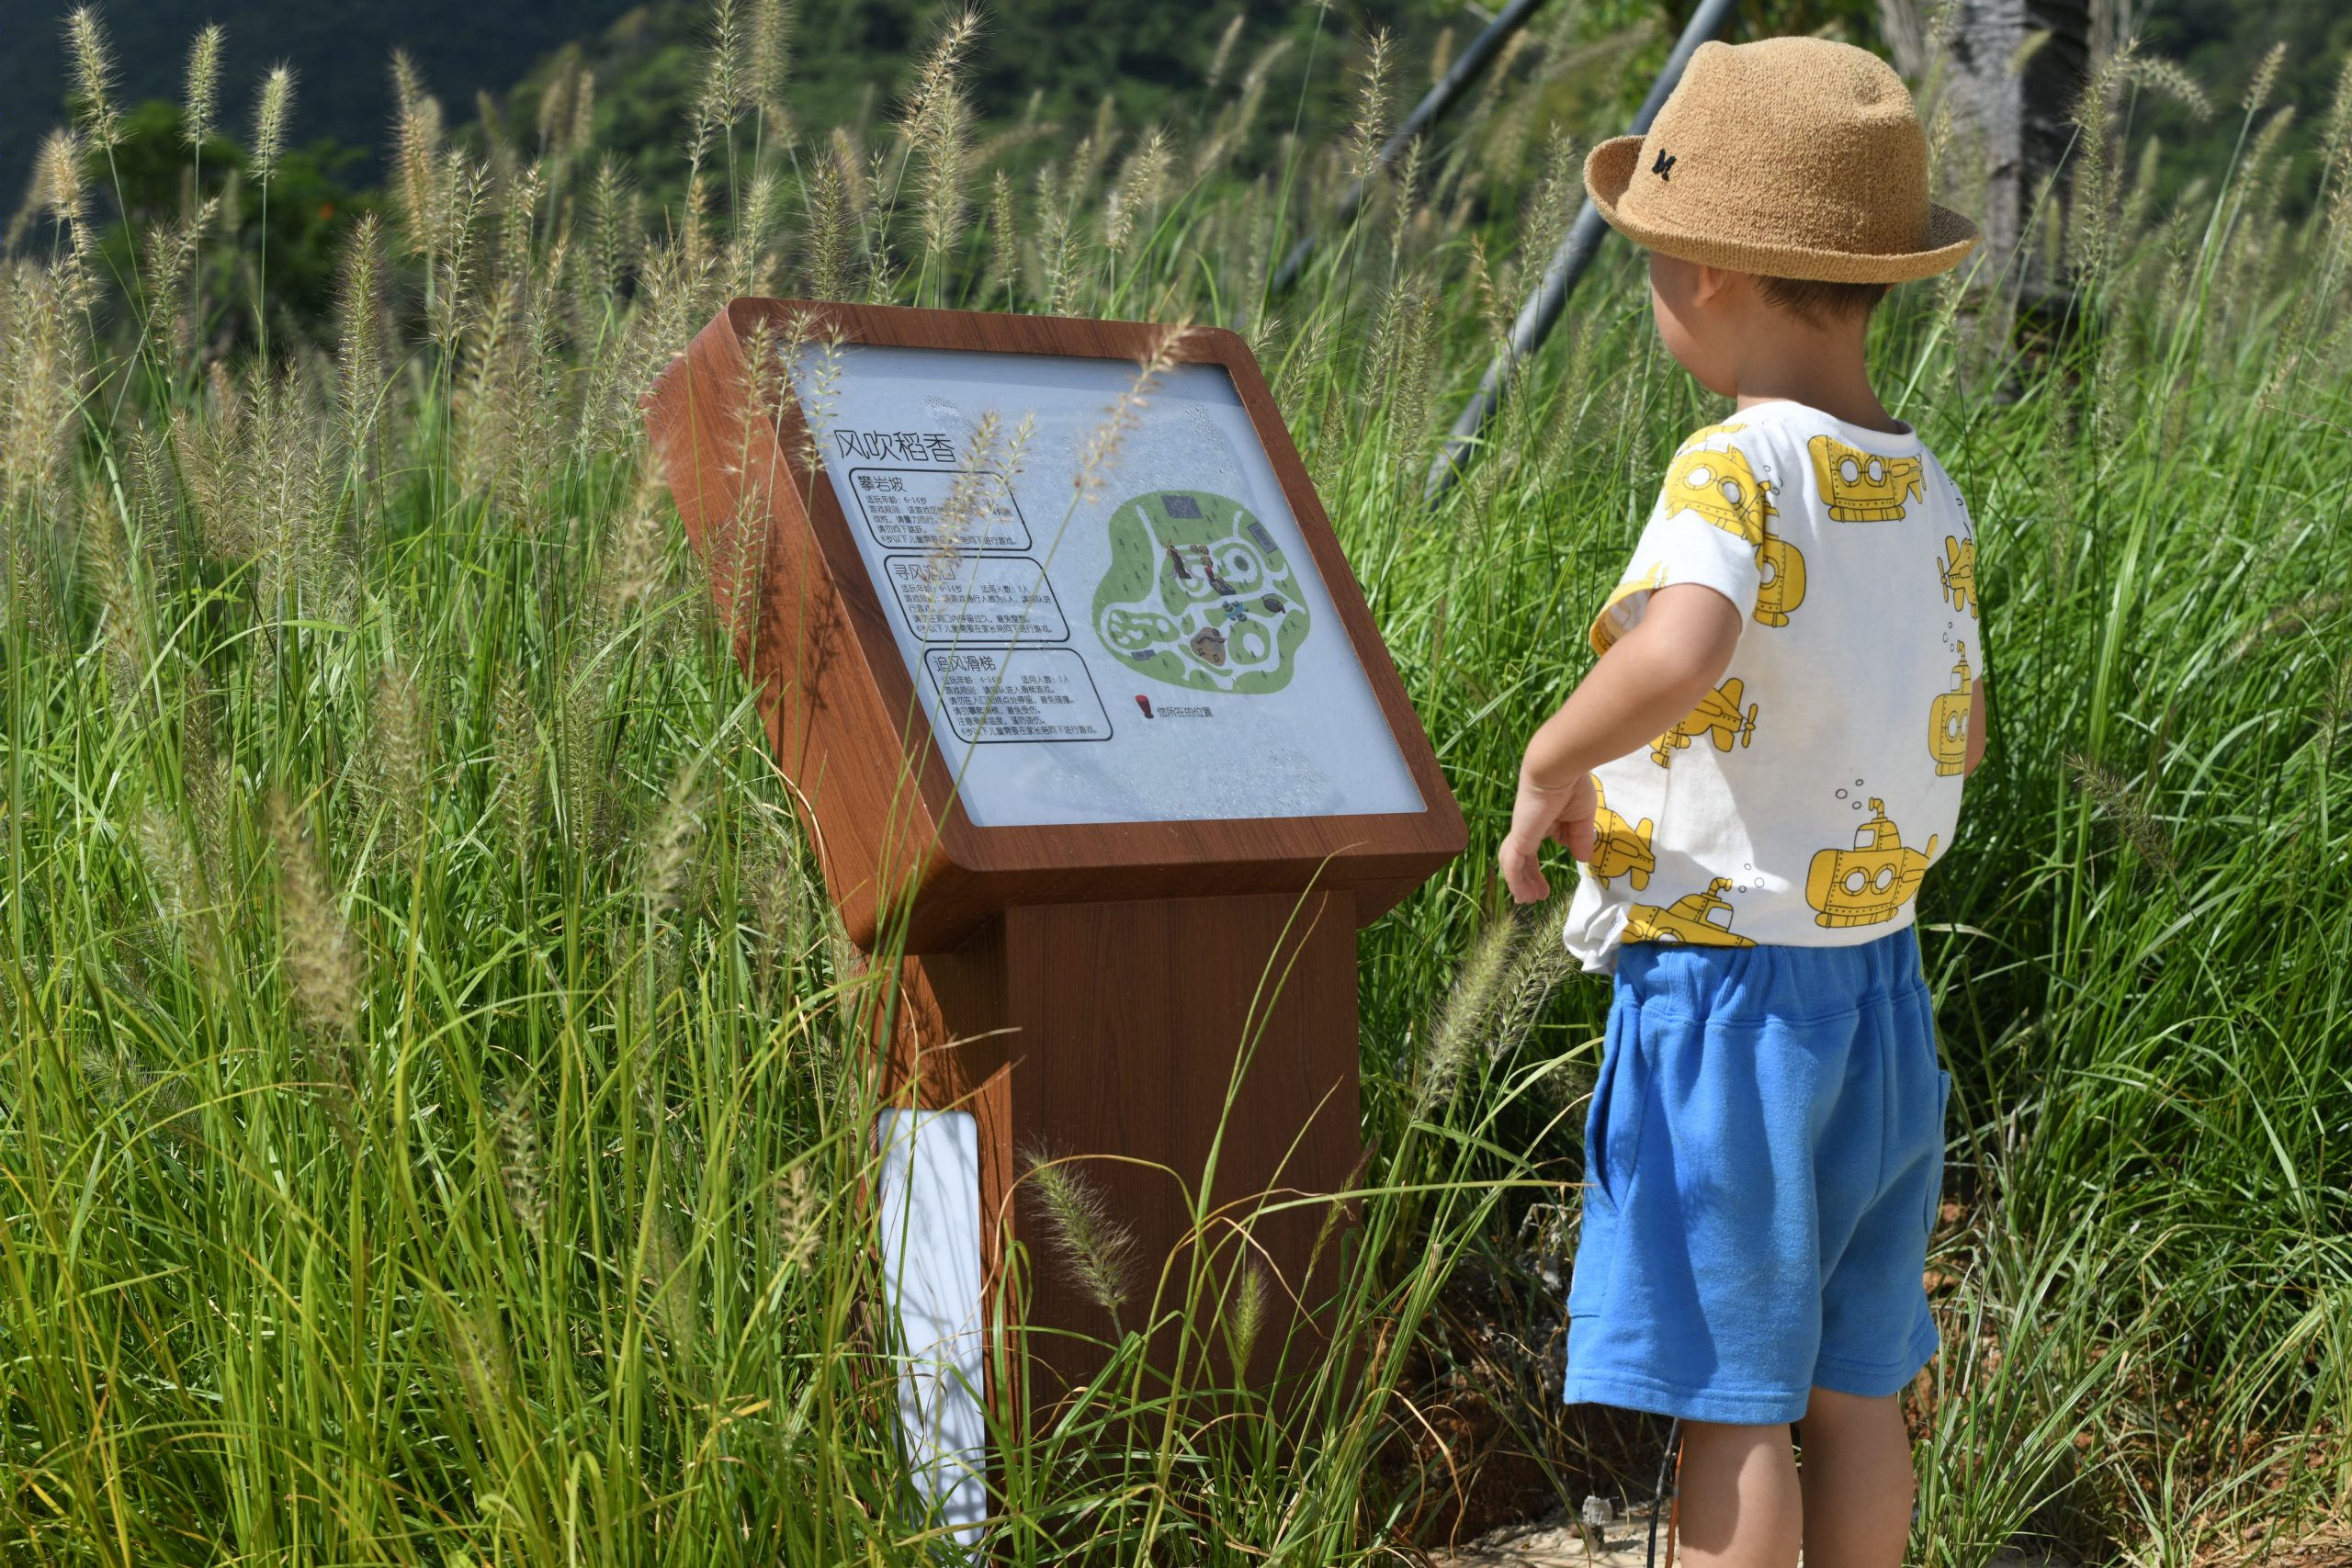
(1804, 800)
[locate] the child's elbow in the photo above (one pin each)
(1694, 630)
(1976, 752)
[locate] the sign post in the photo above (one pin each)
(1089, 720)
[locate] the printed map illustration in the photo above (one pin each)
(1198, 595)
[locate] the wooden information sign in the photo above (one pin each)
(1088, 719)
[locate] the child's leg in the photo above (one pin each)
(1738, 1502)
(1857, 1481)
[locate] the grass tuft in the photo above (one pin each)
(435, 1083)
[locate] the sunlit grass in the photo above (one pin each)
(433, 1111)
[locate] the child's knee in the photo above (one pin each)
(1734, 1431)
(1827, 1407)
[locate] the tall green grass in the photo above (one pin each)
(433, 1110)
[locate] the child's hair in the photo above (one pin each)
(1811, 299)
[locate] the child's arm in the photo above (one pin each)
(1646, 684)
(1975, 727)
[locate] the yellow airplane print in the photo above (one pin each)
(1717, 713)
(1619, 848)
(1782, 586)
(1862, 487)
(1957, 567)
(1947, 721)
(1719, 486)
(1866, 883)
(1690, 918)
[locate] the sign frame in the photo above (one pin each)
(750, 491)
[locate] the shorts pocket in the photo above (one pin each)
(1612, 1122)
(1936, 1170)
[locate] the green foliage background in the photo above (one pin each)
(434, 1104)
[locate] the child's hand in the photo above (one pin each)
(1562, 812)
(1649, 678)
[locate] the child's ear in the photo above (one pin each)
(1717, 284)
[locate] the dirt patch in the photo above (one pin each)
(2331, 1547)
(2263, 1543)
(1481, 1440)
(1624, 1544)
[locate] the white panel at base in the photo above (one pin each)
(931, 1263)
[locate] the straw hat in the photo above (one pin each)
(1794, 157)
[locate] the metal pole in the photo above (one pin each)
(1541, 311)
(1466, 69)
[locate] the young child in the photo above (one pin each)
(1758, 773)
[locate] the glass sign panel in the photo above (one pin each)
(1160, 650)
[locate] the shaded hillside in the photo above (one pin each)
(1054, 63)
(340, 52)
(1042, 72)
(2223, 44)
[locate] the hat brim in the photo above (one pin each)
(1609, 169)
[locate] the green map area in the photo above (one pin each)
(1199, 594)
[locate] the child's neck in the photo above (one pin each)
(1820, 368)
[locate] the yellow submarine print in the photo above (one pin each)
(1718, 711)
(1690, 918)
(1958, 570)
(1866, 883)
(1619, 848)
(1719, 487)
(1947, 721)
(1783, 587)
(1862, 487)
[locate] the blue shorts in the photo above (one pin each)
(1763, 1158)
